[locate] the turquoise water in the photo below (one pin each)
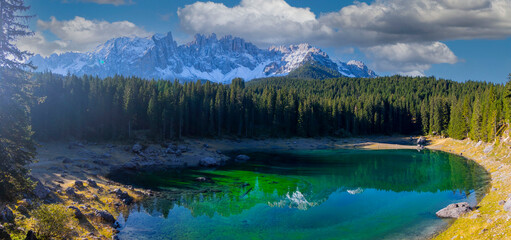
(321, 194)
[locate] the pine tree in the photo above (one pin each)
(16, 145)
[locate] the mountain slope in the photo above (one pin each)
(206, 57)
(314, 71)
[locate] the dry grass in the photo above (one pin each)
(489, 221)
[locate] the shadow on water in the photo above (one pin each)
(306, 179)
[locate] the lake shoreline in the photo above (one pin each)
(62, 163)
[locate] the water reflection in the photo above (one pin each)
(320, 184)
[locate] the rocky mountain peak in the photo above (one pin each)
(205, 57)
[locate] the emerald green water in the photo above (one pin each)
(321, 194)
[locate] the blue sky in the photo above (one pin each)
(453, 39)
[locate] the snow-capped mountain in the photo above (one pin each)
(206, 57)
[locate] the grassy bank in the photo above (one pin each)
(489, 221)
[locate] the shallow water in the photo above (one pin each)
(320, 194)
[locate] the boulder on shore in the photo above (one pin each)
(507, 205)
(208, 162)
(6, 215)
(137, 148)
(105, 216)
(421, 141)
(77, 213)
(92, 183)
(40, 190)
(454, 210)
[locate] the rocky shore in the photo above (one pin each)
(73, 174)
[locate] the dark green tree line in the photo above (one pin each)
(116, 107)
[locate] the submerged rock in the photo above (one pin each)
(204, 179)
(454, 210)
(242, 158)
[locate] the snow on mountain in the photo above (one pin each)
(206, 57)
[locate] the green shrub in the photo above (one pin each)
(53, 221)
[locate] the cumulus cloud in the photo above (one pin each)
(261, 21)
(410, 58)
(382, 24)
(77, 35)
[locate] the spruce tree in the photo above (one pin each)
(16, 146)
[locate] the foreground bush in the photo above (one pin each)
(53, 221)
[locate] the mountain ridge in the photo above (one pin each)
(205, 58)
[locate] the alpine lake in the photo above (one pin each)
(309, 194)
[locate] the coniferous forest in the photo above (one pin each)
(116, 107)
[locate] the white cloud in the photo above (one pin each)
(78, 34)
(410, 58)
(389, 23)
(261, 21)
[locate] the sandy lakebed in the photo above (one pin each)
(60, 164)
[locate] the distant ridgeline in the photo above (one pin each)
(114, 107)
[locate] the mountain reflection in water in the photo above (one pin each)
(330, 186)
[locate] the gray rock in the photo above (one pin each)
(204, 179)
(421, 141)
(116, 225)
(23, 210)
(40, 190)
(104, 216)
(123, 196)
(78, 184)
(454, 210)
(116, 191)
(507, 205)
(242, 158)
(169, 150)
(131, 166)
(183, 148)
(6, 215)
(488, 149)
(63, 159)
(78, 214)
(3, 234)
(25, 202)
(137, 148)
(92, 183)
(178, 152)
(71, 192)
(208, 162)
